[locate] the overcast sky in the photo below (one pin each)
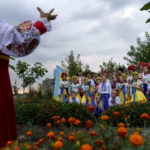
(96, 29)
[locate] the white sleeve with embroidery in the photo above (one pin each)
(20, 40)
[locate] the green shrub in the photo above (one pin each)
(43, 111)
(131, 115)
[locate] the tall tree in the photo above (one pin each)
(111, 66)
(140, 53)
(29, 74)
(87, 69)
(72, 64)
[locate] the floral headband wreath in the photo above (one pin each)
(98, 78)
(105, 72)
(131, 67)
(136, 73)
(75, 77)
(85, 79)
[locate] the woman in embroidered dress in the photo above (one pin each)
(75, 87)
(137, 86)
(123, 89)
(16, 41)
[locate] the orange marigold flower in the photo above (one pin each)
(37, 144)
(86, 147)
(59, 138)
(16, 148)
(121, 125)
(77, 122)
(85, 140)
(73, 134)
(29, 133)
(93, 134)
(9, 143)
(56, 117)
(79, 132)
(102, 126)
(104, 117)
(41, 140)
(98, 142)
(71, 138)
(35, 147)
(71, 121)
(116, 114)
(48, 125)
(58, 145)
(51, 135)
(29, 147)
(122, 132)
(89, 124)
(61, 133)
(124, 116)
(90, 108)
(63, 120)
(145, 116)
(58, 122)
(136, 140)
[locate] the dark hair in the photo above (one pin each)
(120, 69)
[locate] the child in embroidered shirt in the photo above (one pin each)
(74, 98)
(114, 99)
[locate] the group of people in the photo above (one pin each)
(103, 92)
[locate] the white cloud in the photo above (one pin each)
(98, 30)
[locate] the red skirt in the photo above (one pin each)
(8, 128)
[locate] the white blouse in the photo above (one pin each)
(21, 40)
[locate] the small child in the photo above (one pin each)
(98, 106)
(87, 99)
(114, 99)
(74, 99)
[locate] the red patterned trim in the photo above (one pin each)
(40, 26)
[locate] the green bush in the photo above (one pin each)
(42, 112)
(130, 115)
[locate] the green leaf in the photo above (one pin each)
(148, 20)
(12, 67)
(146, 6)
(12, 58)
